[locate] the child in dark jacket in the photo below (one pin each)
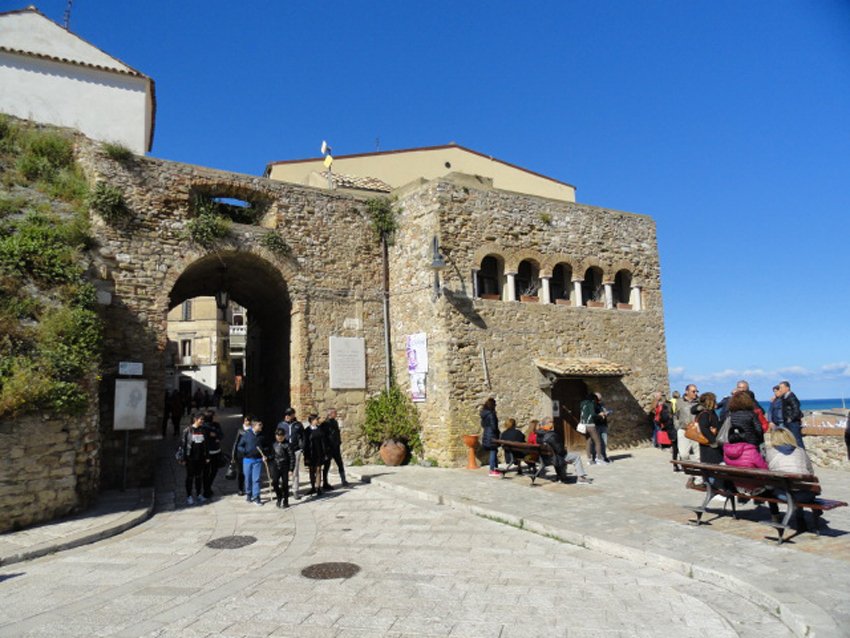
(280, 463)
(316, 452)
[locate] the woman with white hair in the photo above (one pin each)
(783, 455)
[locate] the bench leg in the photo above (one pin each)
(792, 507)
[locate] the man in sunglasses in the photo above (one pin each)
(688, 450)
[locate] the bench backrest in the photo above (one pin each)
(752, 477)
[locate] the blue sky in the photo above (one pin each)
(728, 122)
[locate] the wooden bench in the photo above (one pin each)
(729, 480)
(539, 451)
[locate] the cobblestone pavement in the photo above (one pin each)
(425, 569)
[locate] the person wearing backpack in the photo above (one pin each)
(195, 456)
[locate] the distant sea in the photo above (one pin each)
(814, 405)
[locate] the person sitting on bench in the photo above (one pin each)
(511, 433)
(547, 435)
(783, 455)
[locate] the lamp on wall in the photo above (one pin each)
(221, 296)
(438, 263)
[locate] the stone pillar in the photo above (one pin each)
(635, 298)
(577, 300)
(609, 295)
(545, 296)
(475, 292)
(510, 288)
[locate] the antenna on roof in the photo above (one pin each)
(67, 18)
(377, 144)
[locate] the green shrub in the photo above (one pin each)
(44, 153)
(382, 214)
(70, 185)
(11, 205)
(117, 151)
(108, 202)
(68, 342)
(391, 415)
(208, 228)
(37, 246)
(273, 242)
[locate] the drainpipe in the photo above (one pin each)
(386, 304)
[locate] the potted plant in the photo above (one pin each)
(392, 424)
(529, 294)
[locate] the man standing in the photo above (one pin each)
(775, 417)
(331, 426)
(688, 450)
(295, 435)
(792, 415)
(741, 386)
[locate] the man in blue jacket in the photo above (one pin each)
(252, 461)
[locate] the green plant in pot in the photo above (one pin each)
(392, 423)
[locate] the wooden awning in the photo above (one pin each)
(582, 367)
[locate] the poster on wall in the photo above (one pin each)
(417, 365)
(131, 398)
(347, 363)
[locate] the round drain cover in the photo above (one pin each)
(327, 571)
(231, 542)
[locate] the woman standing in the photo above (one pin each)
(709, 426)
(490, 426)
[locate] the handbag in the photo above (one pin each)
(693, 433)
(581, 428)
(723, 435)
(180, 455)
(230, 474)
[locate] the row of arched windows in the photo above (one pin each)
(561, 287)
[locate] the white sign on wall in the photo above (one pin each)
(131, 398)
(347, 363)
(130, 368)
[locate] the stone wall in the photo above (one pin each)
(473, 220)
(330, 273)
(50, 467)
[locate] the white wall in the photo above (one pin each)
(105, 106)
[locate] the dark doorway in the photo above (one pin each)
(569, 393)
(258, 286)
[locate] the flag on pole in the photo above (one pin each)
(328, 161)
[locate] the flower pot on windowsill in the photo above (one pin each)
(491, 296)
(529, 298)
(624, 306)
(595, 304)
(564, 302)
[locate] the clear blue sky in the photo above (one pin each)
(726, 121)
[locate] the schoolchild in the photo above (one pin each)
(194, 453)
(213, 432)
(279, 466)
(295, 435)
(236, 455)
(252, 461)
(331, 426)
(316, 447)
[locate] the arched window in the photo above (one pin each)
(527, 281)
(489, 284)
(622, 287)
(561, 284)
(591, 287)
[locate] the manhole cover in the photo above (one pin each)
(231, 542)
(327, 571)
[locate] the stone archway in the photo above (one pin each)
(260, 287)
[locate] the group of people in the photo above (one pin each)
(593, 422)
(737, 432)
(318, 444)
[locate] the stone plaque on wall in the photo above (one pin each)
(348, 363)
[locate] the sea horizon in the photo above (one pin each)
(815, 405)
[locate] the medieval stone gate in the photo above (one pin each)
(319, 279)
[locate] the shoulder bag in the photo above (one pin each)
(723, 435)
(693, 433)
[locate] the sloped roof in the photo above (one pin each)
(29, 32)
(416, 150)
(341, 180)
(581, 367)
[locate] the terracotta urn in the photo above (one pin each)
(393, 452)
(471, 442)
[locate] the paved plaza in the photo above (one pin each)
(441, 553)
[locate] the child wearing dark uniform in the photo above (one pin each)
(316, 452)
(279, 466)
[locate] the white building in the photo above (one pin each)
(50, 75)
